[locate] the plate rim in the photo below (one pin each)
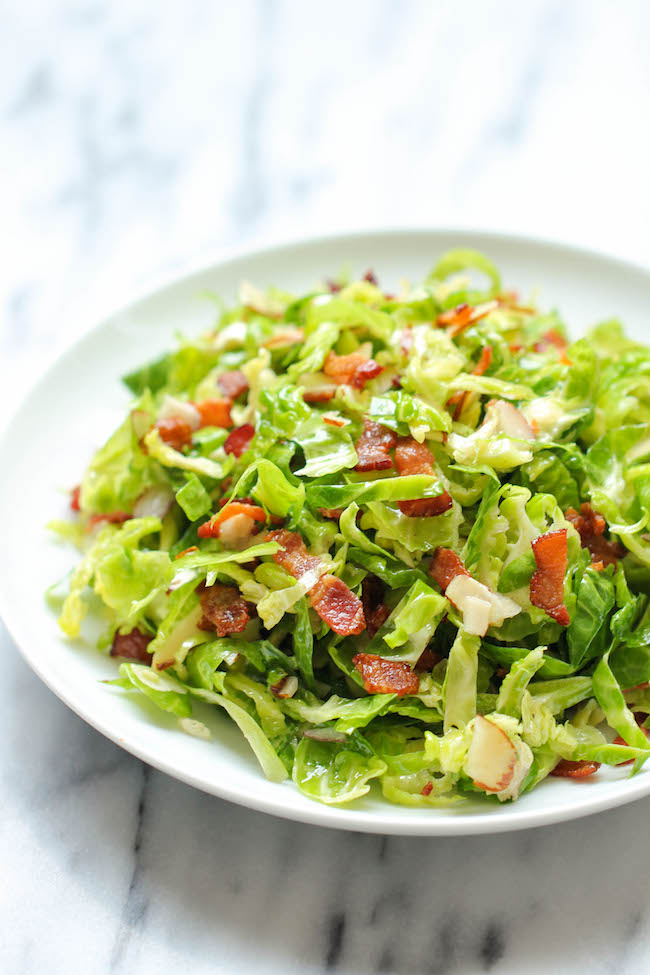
(441, 823)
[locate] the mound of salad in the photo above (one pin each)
(399, 537)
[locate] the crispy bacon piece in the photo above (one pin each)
(295, 559)
(334, 602)
(319, 394)
(566, 769)
(354, 369)
(373, 445)
(175, 432)
(372, 599)
(74, 498)
(445, 566)
(381, 676)
(112, 517)
(212, 528)
(459, 399)
(428, 660)
(232, 384)
(591, 526)
(367, 371)
(215, 412)
(547, 583)
(239, 440)
(132, 646)
(224, 610)
(412, 457)
(338, 606)
(457, 319)
(333, 513)
(427, 789)
(369, 276)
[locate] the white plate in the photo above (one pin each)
(79, 401)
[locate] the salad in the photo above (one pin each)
(401, 539)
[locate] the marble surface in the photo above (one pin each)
(137, 135)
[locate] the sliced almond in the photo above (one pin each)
(465, 592)
(476, 615)
(173, 407)
(509, 420)
(491, 758)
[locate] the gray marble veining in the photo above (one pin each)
(136, 135)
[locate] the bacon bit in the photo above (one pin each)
(338, 606)
(333, 421)
(373, 445)
(212, 528)
(372, 599)
(215, 412)
(224, 610)
(459, 399)
(333, 286)
(428, 789)
(132, 646)
(233, 384)
(295, 558)
(412, 457)
(319, 394)
(426, 507)
(566, 769)
(590, 526)
(462, 316)
(547, 583)
(187, 551)
(334, 602)
(445, 566)
(396, 382)
(621, 741)
(239, 440)
(381, 676)
(113, 518)
(341, 368)
(369, 370)
(354, 369)
(369, 276)
(74, 498)
(407, 340)
(515, 348)
(175, 432)
(333, 513)
(428, 660)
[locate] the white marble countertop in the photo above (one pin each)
(137, 135)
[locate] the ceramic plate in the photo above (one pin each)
(75, 406)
